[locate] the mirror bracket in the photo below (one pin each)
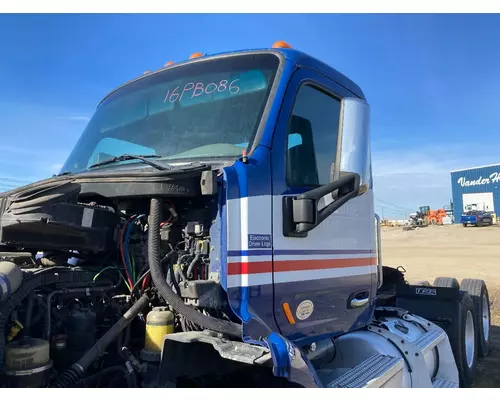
(301, 214)
(288, 223)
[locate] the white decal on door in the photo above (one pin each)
(305, 310)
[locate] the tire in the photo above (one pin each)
(446, 282)
(462, 339)
(465, 225)
(479, 293)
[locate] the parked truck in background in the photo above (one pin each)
(214, 226)
(476, 218)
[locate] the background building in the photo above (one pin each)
(479, 187)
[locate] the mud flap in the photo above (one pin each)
(289, 362)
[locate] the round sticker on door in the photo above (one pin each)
(304, 309)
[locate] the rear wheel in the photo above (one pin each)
(465, 225)
(446, 282)
(463, 340)
(479, 294)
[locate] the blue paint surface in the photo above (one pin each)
(260, 307)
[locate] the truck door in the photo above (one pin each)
(324, 280)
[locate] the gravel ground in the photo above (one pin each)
(453, 251)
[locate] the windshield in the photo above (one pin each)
(205, 110)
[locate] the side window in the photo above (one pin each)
(312, 137)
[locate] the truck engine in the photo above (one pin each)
(91, 284)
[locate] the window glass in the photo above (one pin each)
(312, 137)
(203, 110)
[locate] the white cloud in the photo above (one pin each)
(418, 176)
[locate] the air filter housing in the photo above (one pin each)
(50, 217)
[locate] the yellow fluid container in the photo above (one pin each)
(159, 322)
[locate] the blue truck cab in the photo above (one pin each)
(233, 194)
(293, 242)
(312, 264)
(292, 136)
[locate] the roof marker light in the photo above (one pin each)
(195, 55)
(168, 63)
(280, 44)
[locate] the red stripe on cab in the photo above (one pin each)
(260, 267)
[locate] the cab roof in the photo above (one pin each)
(305, 60)
(299, 58)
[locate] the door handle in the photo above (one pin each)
(356, 303)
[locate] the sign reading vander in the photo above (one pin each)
(493, 178)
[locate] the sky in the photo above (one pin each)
(431, 81)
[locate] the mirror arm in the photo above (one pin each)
(300, 214)
(350, 181)
(323, 190)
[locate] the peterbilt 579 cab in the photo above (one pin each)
(214, 226)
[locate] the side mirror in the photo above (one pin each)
(301, 213)
(351, 174)
(355, 148)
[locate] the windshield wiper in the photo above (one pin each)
(126, 157)
(61, 174)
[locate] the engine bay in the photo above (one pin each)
(92, 284)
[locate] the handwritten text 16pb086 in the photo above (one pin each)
(196, 89)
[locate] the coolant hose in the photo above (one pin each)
(77, 370)
(166, 292)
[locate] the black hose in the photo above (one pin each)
(41, 312)
(217, 325)
(123, 339)
(128, 334)
(132, 361)
(77, 370)
(106, 371)
(29, 314)
(111, 334)
(131, 377)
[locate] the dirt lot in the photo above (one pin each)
(453, 251)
